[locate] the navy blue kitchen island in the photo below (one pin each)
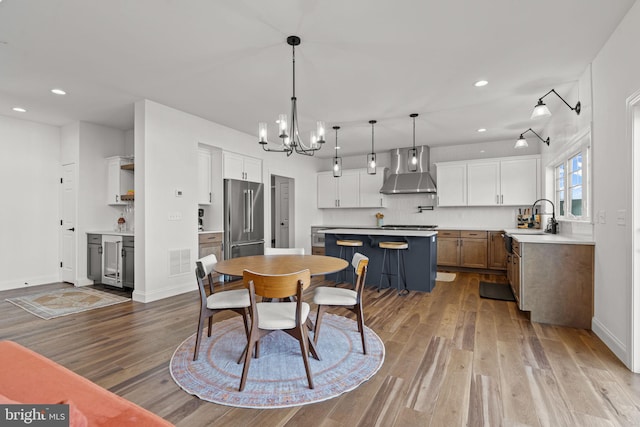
(420, 258)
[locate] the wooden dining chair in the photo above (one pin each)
(267, 317)
(236, 300)
(326, 297)
(284, 251)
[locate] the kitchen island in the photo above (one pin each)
(419, 258)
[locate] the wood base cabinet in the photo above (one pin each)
(462, 248)
(210, 243)
(497, 253)
(554, 282)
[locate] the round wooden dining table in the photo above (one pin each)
(281, 264)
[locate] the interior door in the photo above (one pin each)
(68, 224)
(282, 213)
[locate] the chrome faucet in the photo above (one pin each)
(552, 227)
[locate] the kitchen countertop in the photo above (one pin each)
(374, 231)
(538, 236)
(112, 233)
(210, 231)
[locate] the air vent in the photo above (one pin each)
(179, 261)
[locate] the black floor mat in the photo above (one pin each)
(500, 291)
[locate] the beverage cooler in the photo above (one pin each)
(112, 260)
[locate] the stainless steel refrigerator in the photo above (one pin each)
(243, 218)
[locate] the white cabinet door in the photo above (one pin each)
(349, 189)
(233, 166)
(452, 184)
(483, 183)
(243, 168)
(119, 181)
(252, 169)
(327, 190)
(204, 177)
(519, 181)
(370, 185)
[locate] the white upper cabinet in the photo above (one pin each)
(342, 192)
(483, 183)
(119, 179)
(370, 185)
(204, 176)
(241, 167)
(452, 184)
(519, 181)
(489, 182)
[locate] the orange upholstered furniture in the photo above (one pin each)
(28, 377)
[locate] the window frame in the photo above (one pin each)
(579, 146)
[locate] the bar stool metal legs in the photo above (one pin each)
(400, 273)
(345, 245)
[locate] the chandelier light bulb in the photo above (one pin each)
(336, 167)
(372, 164)
(262, 132)
(414, 160)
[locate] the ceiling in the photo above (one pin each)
(227, 61)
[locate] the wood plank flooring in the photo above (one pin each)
(452, 359)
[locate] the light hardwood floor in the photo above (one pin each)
(452, 359)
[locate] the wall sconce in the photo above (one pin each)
(541, 109)
(522, 142)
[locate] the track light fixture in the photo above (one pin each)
(288, 130)
(337, 161)
(522, 142)
(371, 157)
(541, 109)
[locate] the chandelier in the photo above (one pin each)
(288, 129)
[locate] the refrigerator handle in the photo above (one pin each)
(246, 212)
(251, 211)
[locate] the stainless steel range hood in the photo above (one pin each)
(401, 181)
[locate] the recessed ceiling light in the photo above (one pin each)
(482, 151)
(19, 109)
(481, 83)
(482, 130)
(58, 91)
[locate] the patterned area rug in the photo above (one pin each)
(62, 302)
(277, 378)
(445, 277)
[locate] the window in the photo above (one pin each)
(571, 186)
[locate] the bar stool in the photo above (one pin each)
(399, 247)
(345, 245)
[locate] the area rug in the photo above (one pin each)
(499, 291)
(63, 302)
(276, 379)
(445, 277)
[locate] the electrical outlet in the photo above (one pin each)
(602, 217)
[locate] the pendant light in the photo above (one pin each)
(412, 159)
(337, 161)
(371, 157)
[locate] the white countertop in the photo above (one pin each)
(379, 232)
(210, 231)
(537, 236)
(112, 233)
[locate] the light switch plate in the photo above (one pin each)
(622, 217)
(175, 216)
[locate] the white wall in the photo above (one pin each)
(29, 219)
(403, 208)
(166, 142)
(616, 76)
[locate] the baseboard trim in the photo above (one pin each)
(145, 297)
(615, 345)
(27, 282)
